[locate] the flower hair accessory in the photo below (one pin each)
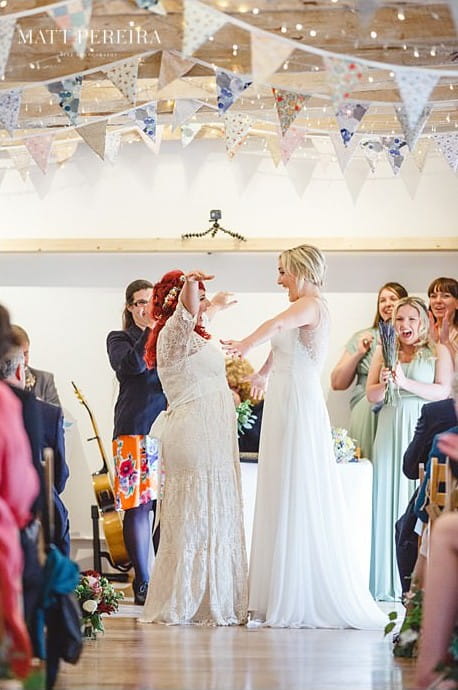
(171, 296)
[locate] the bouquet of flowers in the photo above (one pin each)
(390, 358)
(344, 445)
(245, 416)
(96, 595)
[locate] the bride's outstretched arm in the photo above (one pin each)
(258, 380)
(302, 312)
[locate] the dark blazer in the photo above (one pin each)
(44, 387)
(435, 418)
(140, 398)
(53, 437)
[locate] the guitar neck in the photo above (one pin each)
(105, 469)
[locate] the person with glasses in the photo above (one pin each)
(140, 400)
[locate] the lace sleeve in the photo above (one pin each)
(174, 342)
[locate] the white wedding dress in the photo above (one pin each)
(303, 573)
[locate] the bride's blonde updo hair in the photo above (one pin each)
(304, 263)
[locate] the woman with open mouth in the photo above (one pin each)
(423, 372)
(443, 307)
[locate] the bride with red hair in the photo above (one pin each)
(200, 572)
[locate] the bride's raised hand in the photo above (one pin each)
(257, 385)
(235, 348)
(196, 276)
(223, 300)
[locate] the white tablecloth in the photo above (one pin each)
(356, 480)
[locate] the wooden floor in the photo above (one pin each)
(140, 656)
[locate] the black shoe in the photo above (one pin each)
(140, 593)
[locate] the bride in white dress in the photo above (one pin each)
(303, 571)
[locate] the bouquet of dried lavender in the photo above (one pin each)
(390, 356)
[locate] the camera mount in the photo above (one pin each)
(215, 215)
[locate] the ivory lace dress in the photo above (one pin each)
(200, 572)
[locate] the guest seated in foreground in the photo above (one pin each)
(41, 383)
(238, 372)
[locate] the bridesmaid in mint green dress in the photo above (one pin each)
(423, 373)
(356, 361)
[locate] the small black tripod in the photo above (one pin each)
(212, 231)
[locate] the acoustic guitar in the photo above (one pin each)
(103, 488)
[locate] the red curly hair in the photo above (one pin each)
(163, 304)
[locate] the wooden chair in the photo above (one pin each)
(438, 483)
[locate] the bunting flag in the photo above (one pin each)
(236, 128)
(94, 135)
(344, 153)
(183, 110)
(7, 26)
(155, 6)
(2, 175)
(40, 150)
(420, 153)
(366, 9)
(154, 145)
(200, 22)
(68, 92)
(300, 173)
(188, 132)
(74, 17)
(448, 146)
(289, 105)
(112, 146)
(21, 159)
(415, 87)
(228, 89)
(267, 54)
(293, 138)
(349, 116)
(10, 104)
(355, 177)
(393, 147)
(124, 76)
(146, 120)
(411, 176)
(172, 67)
(411, 134)
(372, 149)
(273, 144)
(453, 7)
(344, 76)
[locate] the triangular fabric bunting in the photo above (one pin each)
(124, 76)
(393, 147)
(183, 110)
(154, 145)
(155, 6)
(344, 76)
(236, 128)
(74, 17)
(415, 87)
(344, 153)
(146, 120)
(372, 149)
(366, 9)
(2, 175)
(68, 91)
(200, 22)
(289, 105)
(94, 136)
(10, 104)
(228, 89)
(355, 177)
(40, 150)
(420, 153)
(349, 116)
(172, 67)
(188, 132)
(267, 54)
(273, 144)
(453, 7)
(411, 176)
(411, 134)
(293, 138)
(22, 160)
(448, 145)
(112, 146)
(6, 38)
(300, 173)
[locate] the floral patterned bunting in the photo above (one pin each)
(411, 134)
(68, 92)
(289, 105)
(188, 132)
(372, 149)
(228, 89)
(124, 76)
(349, 116)
(344, 76)
(420, 153)
(7, 27)
(155, 6)
(40, 150)
(146, 120)
(393, 147)
(200, 22)
(21, 160)
(415, 87)
(448, 145)
(343, 153)
(236, 128)
(112, 146)
(291, 140)
(10, 104)
(74, 17)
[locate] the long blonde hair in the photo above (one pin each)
(304, 263)
(424, 338)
